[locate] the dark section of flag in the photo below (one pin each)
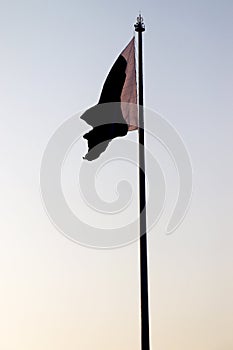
(109, 115)
(114, 83)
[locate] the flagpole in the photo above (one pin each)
(145, 335)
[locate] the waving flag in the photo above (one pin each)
(114, 120)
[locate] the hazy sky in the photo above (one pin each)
(56, 294)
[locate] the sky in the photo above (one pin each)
(57, 294)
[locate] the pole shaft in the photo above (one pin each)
(145, 336)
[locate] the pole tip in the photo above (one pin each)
(139, 26)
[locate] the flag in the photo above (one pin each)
(108, 119)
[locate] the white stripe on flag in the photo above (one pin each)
(129, 91)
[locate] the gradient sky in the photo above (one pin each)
(57, 295)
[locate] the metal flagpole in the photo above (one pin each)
(145, 341)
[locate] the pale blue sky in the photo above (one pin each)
(56, 294)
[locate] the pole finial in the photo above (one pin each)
(139, 26)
